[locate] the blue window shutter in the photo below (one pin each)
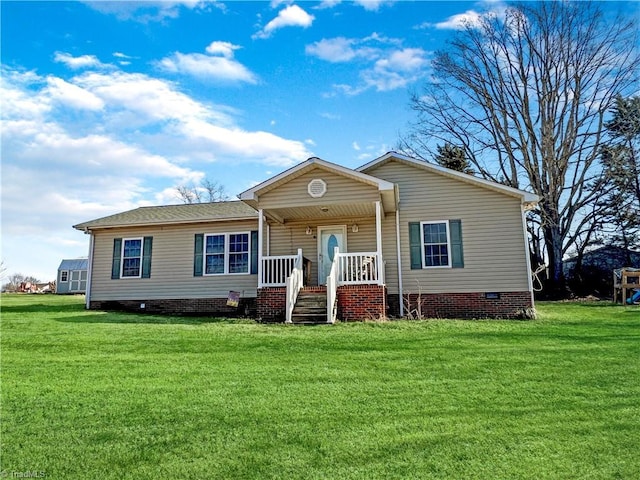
(415, 246)
(198, 255)
(146, 257)
(457, 257)
(115, 265)
(254, 252)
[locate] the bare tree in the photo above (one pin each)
(525, 95)
(207, 191)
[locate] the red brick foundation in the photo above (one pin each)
(181, 306)
(362, 302)
(271, 304)
(355, 303)
(509, 305)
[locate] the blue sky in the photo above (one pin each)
(107, 106)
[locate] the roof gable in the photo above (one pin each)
(307, 166)
(527, 198)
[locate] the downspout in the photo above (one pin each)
(400, 289)
(528, 257)
(87, 293)
(379, 239)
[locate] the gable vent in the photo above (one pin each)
(317, 188)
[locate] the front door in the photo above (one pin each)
(328, 238)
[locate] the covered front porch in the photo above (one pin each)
(320, 226)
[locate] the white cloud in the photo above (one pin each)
(393, 67)
(460, 21)
(83, 61)
(328, 4)
(141, 99)
(372, 5)
(355, 146)
(129, 138)
(225, 49)
(150, 10)
(290, 16)
(267, 147)
(330, 116)
(339, 49)
(469, 18)
(207, 67)
(71, 95)
(219, 65)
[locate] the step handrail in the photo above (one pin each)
(332, 287)
(294, 282)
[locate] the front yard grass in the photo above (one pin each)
(90, 394)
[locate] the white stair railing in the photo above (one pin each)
(360, 268)
(294, 283)
(276, 269)
(332, 287)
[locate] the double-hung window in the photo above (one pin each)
(131, 258)
(436, 244)
(226, 253)
(436, 251)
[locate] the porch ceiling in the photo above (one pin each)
(322, 213)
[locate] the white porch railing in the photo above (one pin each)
(360, 268)
(332, 288)
(294, 282)
(276, 270)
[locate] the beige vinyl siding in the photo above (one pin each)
(339, 190)
(171, 265)
(495, 254)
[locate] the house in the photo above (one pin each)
(595, 275)
(72, 276)
(321, 241)
(606, 258)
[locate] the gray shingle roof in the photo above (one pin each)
(174, 214)
(74, 264)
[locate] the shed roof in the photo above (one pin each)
(173, 214)
(74, 264)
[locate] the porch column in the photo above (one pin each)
(379, 242)
(260, 227)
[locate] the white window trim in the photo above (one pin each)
(226, 254)
(64, 271)
(422, 244)
(124, 241)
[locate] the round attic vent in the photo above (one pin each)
(317, 188)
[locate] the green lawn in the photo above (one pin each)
(89, 394)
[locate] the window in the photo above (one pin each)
(64, 276)
(131, 258)
(226, 253)
(435, 244)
